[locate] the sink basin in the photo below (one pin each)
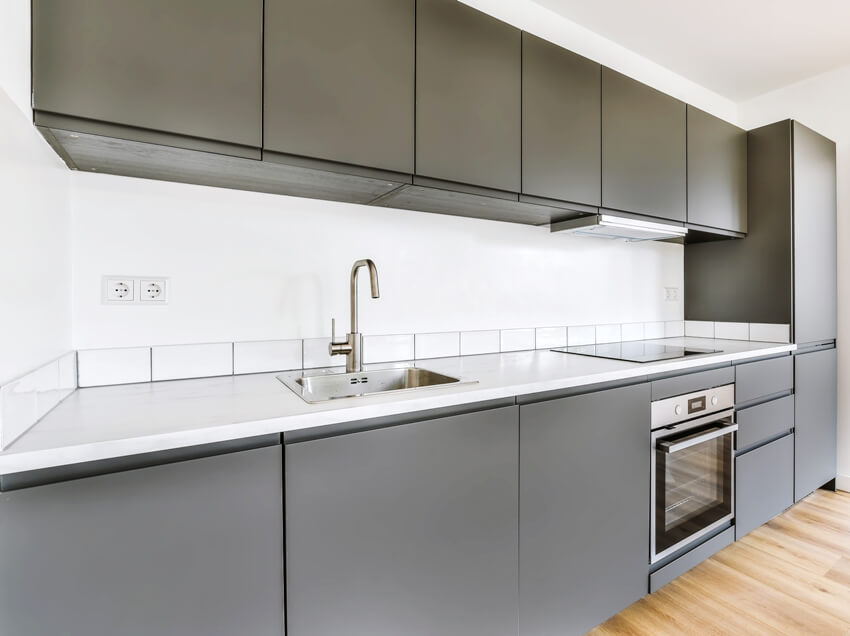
(333, 386)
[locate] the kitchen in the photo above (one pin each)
(171, 461)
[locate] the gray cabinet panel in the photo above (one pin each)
(643, 149)
(765, 377)
(689, 382)
(192, 67)
(690, 559)
(584, 509)
(405, 530)
(339, 81)
(764, 484)
(717, 172)
(815, 264)
(468, 96)
(187, 548)
(561, 123)
(765, 421)
(815, 420)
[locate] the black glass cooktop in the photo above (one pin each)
(638, 351)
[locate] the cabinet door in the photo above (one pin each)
(643, 149)
(815, 263)
(584, 509)
(192, 67)
(468, 96)
(764, 484)
(561, 123)
(188, 548)
(339, 81)
(717, 172)
(405, 530)
(815, 420)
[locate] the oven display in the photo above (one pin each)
(696, 405)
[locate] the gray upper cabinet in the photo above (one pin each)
(717, 172)
(409, 530)
(584, 509)
(643, 149)
(191, 68)
(815, 420)
(339, 81)
(192, 547)
(815, 263)
(468, 96)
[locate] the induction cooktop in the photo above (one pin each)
(638, 351)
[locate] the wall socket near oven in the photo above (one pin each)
(671, 294)
(134, 290)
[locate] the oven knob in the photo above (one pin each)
(713, 400)
(678, 409)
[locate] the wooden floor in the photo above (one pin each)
(791, 576)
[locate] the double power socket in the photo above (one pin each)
(128, 290)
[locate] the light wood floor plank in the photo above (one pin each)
(791, 576)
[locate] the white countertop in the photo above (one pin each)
(116, 421)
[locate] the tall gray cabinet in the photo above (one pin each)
(584, 508)
(815, 420)
(405, 530)
(193, 547)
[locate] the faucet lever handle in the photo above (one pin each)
(333, 332)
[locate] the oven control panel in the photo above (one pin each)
(691, 405)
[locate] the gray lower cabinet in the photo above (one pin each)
(561, 123)
(339, 81)
(181, 549)
(192, 68)
(717, 172)
(409, 530)
(764, 484)
(468, 96)
(644, 149)
(584, 509)
(815, 420)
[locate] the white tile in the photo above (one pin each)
(732, 330)
(674, 328)
(476, 342)
(388, 348)
(607, 333)
(699, 329)
(632, 331)
(762, 332)
(551, 337)
(581, 335)
(516, 339)
(68, 372)
(437, 345)
(316, 354)
(653, 330)
(266, 355)
(18, 409)
(99, 367)
(176, 362)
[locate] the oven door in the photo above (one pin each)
(692, 481)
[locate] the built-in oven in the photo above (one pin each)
(693, 464)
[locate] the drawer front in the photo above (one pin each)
(758, 379)
(691, 559)
(762, 422)
(680, 384)
(764, 484)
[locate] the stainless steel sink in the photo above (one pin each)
(322, 387)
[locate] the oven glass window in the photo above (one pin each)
(693, 489)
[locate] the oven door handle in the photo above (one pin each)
(692, 440)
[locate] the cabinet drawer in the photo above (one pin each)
(764, 421)
(764, 484)
(758, 379)
(680, 384)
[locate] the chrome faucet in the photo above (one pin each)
(352, 345)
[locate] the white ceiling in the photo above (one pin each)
(737, 48)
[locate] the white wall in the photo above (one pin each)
(254, 266)
(823, 104)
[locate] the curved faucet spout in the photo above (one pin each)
(373, 279)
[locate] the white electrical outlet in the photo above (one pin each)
(118, 290)
(153, 290)
(671, 294)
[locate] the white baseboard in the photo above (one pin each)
(842, 482)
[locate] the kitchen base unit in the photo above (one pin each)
(192, 547)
